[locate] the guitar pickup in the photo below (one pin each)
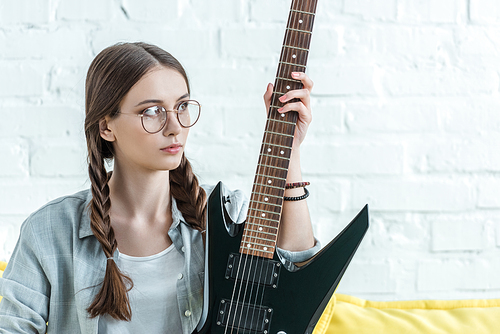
(254, 269)
(246, 317)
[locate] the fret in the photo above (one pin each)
(263, 232)
(289, 79)
(302, 12)
(272, 177)
(282, 121)
(262, 212)
(266, 203)
(292, 64)
(274, 156)
(278, 168)
(277, 145)
(299, 30)
(259, 238)
(258, 250)
(295, 47)
(266, 185)
(269, 195)
(261, 226)
(279, 134)
(265, 219)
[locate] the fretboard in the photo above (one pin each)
(266, 201)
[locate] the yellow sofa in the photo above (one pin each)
(346, 314)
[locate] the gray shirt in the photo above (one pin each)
(58, 265)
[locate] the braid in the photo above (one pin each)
(189, 196)
(112, 298)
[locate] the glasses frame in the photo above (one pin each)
(164, 110)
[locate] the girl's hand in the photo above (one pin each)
(303, 107)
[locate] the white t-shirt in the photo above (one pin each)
(153, 299)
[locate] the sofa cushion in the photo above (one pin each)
(354, 315)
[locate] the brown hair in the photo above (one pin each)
(110, 76)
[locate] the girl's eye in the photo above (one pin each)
(152, 112)
(182, 107)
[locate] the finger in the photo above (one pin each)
(304, 78)
(304, 112)
(267, 95)
(302, 94)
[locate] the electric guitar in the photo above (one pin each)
(247, 288)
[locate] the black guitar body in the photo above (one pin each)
(246, 294)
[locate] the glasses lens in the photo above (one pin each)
(188, 113)
(154, 119)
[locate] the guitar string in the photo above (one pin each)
(275, 125)
(246, 257)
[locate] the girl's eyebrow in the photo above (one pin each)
(161, 101)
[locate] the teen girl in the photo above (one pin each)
(127, 255)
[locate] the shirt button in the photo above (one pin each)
(183, 249)
(187, 313)
(179, 276)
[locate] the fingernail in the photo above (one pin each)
(283, 98)
(295, 74)
(280, 109)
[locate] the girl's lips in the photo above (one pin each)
(172, 149)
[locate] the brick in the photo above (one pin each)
(200, 12)
(423, 194)
(342, 80)
(488, 193)
(270, 11)
(485, 11)
(443, 11)
(353, 159)
(443, 82)
(24, 79)
(406, 116)
(148, 10)
(45, 44)
(497, 233)
(30, 12)
(188, 48)
(372, 9)
(59, 159)
(451, 154)
(428, 44)
(35, 121)
(14, 158)
(373, 277)
(458, 274)
(455, 116)
(23, 197)
(458, 235)
(90, 10)
(253, 42)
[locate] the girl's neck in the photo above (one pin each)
(139, 195)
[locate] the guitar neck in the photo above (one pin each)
(266, 201)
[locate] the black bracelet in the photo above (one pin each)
(298, 198)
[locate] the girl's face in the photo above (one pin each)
(133, 146)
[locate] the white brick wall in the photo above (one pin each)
(406, 119)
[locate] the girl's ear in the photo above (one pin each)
(105, 131)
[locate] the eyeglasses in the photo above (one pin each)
(154, 118)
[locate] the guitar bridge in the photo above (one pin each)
(244, 316)
(255, 270)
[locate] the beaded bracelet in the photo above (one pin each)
(296, 185)
(298, 198)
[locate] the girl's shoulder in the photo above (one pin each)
(60, 215)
